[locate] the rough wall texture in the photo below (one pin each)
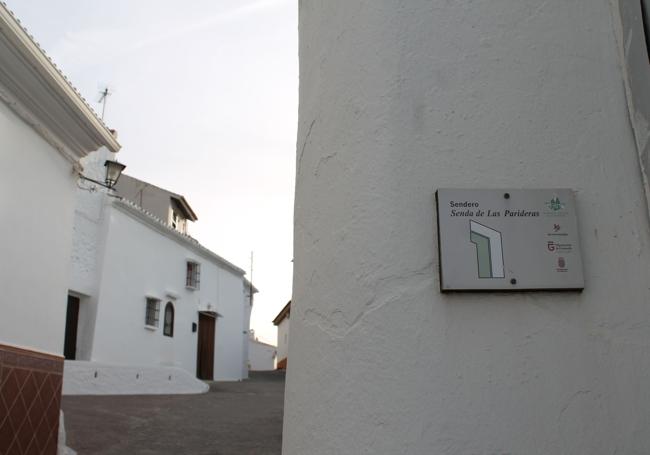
(88, 245)
(635, 55)
(89, 217)
(398, 98)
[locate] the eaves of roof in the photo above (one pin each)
(282, 314)
(189, 213)
(157, 224)
(33, 86)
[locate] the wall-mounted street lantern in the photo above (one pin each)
(113, 172)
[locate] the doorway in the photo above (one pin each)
(71, 324)
(205, 347)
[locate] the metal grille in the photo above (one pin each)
(153, 312)
(193, 277)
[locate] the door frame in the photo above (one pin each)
(205, 371)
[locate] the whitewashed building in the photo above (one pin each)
(261, 356)
(45, 129)
(281, 321)
(401, 98)
(143, 292)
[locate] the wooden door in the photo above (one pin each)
(205, 349)
(71, 323)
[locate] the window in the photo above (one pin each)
(193, 277)
(177, 221)
(168, 327)
(152, 312)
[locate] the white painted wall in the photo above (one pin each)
(140, 263)
(398, 99)
(283, 338)
(95, 378)
(89, 241)
(36, 201)
(634, 55)
(261, 356)
(118, 260)
(247, 305)
(229, 349)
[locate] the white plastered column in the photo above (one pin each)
(398, 99)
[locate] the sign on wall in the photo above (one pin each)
(508, 240)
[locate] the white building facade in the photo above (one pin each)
(149, 295)
(45, 129)
(282, 321)
(399, 99)
(261, 356)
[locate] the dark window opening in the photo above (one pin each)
(168, 328)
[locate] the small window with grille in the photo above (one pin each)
(152, 313)
(193, 276)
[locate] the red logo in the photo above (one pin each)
(561, 263)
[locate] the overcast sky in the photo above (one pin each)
(205, 104)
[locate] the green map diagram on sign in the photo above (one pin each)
(489, 250)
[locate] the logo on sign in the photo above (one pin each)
(554, 246)
(555, 204)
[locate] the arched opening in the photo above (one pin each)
(168, 328)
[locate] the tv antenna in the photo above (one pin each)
(104, 94)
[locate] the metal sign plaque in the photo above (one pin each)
(510, 240)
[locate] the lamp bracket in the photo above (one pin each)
(96, 182)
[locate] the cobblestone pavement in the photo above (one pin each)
(243, 418)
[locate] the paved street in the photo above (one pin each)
(243, 418)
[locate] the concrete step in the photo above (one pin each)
(95, 378)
